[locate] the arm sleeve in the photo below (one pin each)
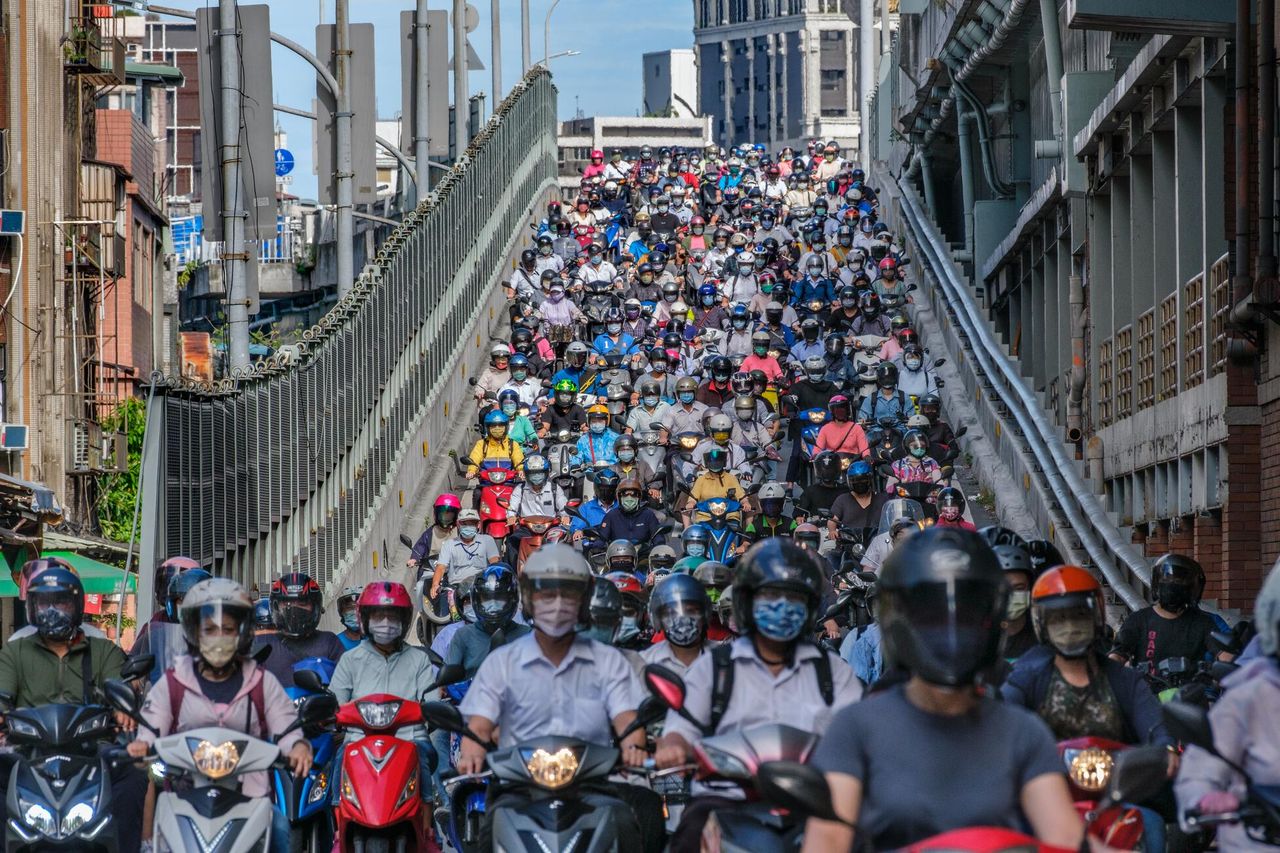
(840, 750)
(1127, 637)
(343, 682)
(155, 710)
(422, 547)
(484, 696)
(9, 669)
(142, 645)
(112, 661)
(621, 689)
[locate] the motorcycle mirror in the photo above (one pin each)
(799, 788)
(1139, 774)
(665, 685)
(1189, 724)
(650, 711)
(868, 577)
(663, 529)
(406, 541)
(442, 715)
(310, 681)
(7, 702)
(1221, 640)
(435, 658)
(317, 709)
(939, 362)
(137, 666)
(940, 383)
(884, 470)
(471, 381)
(121, 697)
(450, 673)
(964, 430)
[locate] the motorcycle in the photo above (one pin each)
(714, 514)
(206, 810)
(534, 528)
(60, 784)
(497, 478)
(305, 801)
(811, 423)
(1088, 762)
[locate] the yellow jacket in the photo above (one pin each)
(487, 448)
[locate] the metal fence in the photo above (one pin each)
(289, 466)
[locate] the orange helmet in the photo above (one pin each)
(1067, 590)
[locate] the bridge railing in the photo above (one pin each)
(291, 465)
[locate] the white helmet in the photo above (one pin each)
(556, 566)
(211, 599)
(772, 490)
(918, 422)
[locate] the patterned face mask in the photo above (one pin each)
(780, 619)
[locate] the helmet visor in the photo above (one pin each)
(953, 626)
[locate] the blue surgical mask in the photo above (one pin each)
(351, 621)
(695, 549)
(468, 531)
(708, 299)
(597, 427)
(686, 397)
(780, 619)
(652, 400)
(509, 409)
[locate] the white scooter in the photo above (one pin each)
(211, 813)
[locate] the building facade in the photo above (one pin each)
(779, 72)
(670, 83)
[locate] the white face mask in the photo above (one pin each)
(556, 617)
(385, 631)
(1019, 601)
(218, 651)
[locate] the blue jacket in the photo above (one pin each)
(592, 513)
(876, 406)
(807, 289)
(863, 653)
(802, 350)
(603, 344)
(1028, 683)
(596, 448)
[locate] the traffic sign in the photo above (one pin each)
(284, 162)
(12, 222)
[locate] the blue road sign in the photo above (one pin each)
(284, 162)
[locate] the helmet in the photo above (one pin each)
(833, 346)
(624, 442)
(606, 481)
(661, 557)
(997, 535)
(349, 594)
(942, 601)
(720, 367)
(630, 483)
(827, 467)
(889, 263)
(869, 302)
(1177, 582)
(505, 395)
(604, 609)
(496, 418)
(705, 290)
(858, 474)
(1014, 558)
(262, 615)
(714, 576)
(950, 502)
(776, 563)
(212, 600)
(669, 610)
(772, 497)
(528, 258)
(536, 468)
(720, 427)
(840, 401)
(556, 566)
(567, 386)
(686, 383)
(295, 604)
(915, 440)
(178, 589)
(55, 603)
(499, 352)
(621, 555)
(716, 458)
(1068, 610)
(519, 359)
(1044, 555)
(740, 382)
(695, 535)
(917, 422)
(165, 572)
(810, 327)
(815, 367)
(385, 594)
(495, 596)
(744, 407)
(577, 348)
(599, 410)
(887, 375)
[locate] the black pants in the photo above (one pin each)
(639, 814)
(688, 835)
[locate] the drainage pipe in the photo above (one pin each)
(999, 188)
(1053, 70)
(1242, 286)
(964, 142)
(1266, 268)
(1079, 323)
(926, 178)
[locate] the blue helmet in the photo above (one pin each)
(262, 618)
(697, 535)
(859, 471)
(495, 596)
(496, 418)
(518, 360)
(503, 396)
(178, 588)
(707, 290)
(738, 311)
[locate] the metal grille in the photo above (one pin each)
(1220, 295)
(1124, 373)
(281, 467)
(1146, 361)
(1193, 332)
(1168, 347)
(1104, 383)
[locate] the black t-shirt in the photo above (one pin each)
(1148, 636)
(923, 774)
(818, 497)
(850, 513)
(1017, 645)
(573, 419)
(222, 692)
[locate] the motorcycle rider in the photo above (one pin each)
(679, 611)
(1019, 631)
(496, 375)
(295, 611)
(350, 635)
(527, 387)
(495, 599)
(737, 343)
(777, 674)
(941, 596)
(887, 401)
(443, 528)
(871, 320)
(917, 466)
(650, 408)
(536, 496)
(595, 446)
(826, 488)
(520, 428)
(812, 391)
(630, 519)
(564, 412)
(810, 346)
(161, 635)
(759, 357)
(556, 682)
(686, 414)
(718, 388)
(815, 285)
(773, 519)
(495, 444)
(841, 435)
(715, 480)
(1174, 626)
(613, 339)
(860, 507)
(720, 434)
(465, 556)
(914, 378)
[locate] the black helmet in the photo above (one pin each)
(528, 258)
(606, 484)
(930, 406)
(887, 374)
(55, 603)
(997, 535)
(495, 596)
(606, 609)
(1176, 582)
(295, 604)
(810, 327)
(776, 563)
(1014, 558)
(942, 601)
(833, 346)
(716, 459)
(1045, 555)
(827, 467)
(721, 368)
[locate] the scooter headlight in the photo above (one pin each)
(76, 817)
(551, 770)
(38, 818)
(215, 760)
(497, 476)
(1089, 768)
(319, 788)
(378, 715)
(718, 508)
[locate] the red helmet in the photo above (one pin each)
(597, 154)
(1067, 588)
(627, 584)
(384, 594)
(889, 264)
(697, 220)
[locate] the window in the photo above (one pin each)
(833, 74)
(657, 71)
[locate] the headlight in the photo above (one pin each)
(497, 476)
(215, 760)
(157, 771)
(689, 442)
(378, 715)
(552, 770)
(817, 417)
(718, 508)
(39, 818)
(79, 815)
(319, 788)
(89, 725)
(18, 727)
(1090, 768)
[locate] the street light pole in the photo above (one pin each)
(461, 112)
(234, 256)
(342, 127)
(495, 25)
(421, 142)
(546, 36)
(524, 35)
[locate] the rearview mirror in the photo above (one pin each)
(406, 541)
(137, 667)
(1140, 774)
(434, 657)
(798, 788)
(318, 709)
(963, 431)
(447, 717)
(310, 681)
(885, 470)
(665, 685)
(1189, 724)
(939, 362)
(450, 673)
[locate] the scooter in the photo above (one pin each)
(60, 784)
(305, 801)
(497, 479)
(1088, 763)
(714, 514)
(210, 813)
(535, 527)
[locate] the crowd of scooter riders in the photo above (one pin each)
(705, 580)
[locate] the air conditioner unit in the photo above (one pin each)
(84, 447)
(13, 436)
(115, 453)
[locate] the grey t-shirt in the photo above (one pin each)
(470, 645)
(923, 774)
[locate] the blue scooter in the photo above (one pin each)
(714, 514)
(306, 802)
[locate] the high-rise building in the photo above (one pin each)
(777, 71)
(670, 83)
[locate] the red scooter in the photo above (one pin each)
(497, 481)
(380, 807)
(1089, 762)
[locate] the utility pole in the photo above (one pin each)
(496, 51)
(461, 110)
(342, 131)
(234, 255)
(866, 75)
(421, 123)
(524, 35)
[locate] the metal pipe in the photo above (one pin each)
(461, 106)
(421, 108)
(999, 187)
(524, 36)
(886, 37)
(964, 141)
(495, 52)
(1242, 284)
(386, 144)
(926, 179)
(1053, 65)
(234, 257)
(1266, 267)
(344, 177)
(1079, 326)
(866, 74)
(546, 36)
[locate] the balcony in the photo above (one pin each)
(94, 58)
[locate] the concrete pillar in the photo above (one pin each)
(726, 62)
(751, 87)
(770, 116)
(784, 111)
(812, 84)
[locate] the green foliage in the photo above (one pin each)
(118, 491)
(187, 272)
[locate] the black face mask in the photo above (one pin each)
(1173, 596)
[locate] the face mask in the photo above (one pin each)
(860, 487)
(597, 428)
(1173, 596)
(739, 323)
(385, 632)
(546, 250)
(912, 363)
(650, 400)
(469, 612)
(498, 432)
(614, 328)
(519, 375)
(626, 456)
(684, 630)
(780, 620)
(666, 297)
(218, 651)
(658, 367)
(628, 629)
(556, 617)
(695, 549)
(950, 513)
(509, 409)
(351, 621)
(556, 296)
(698, 229)
(766, 288)
(538, 478)
(596, 260)
(708, 300)
(686, 397)
(760, 351)
(1070, 637)
(468, 531)
(601, 634)
(55, 624)
(630, 503)
(919, 452)
(1019, 601)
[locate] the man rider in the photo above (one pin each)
(465, 556)
(773, 519)
(564, 413)
(860, 507)
(350, 636)
(686, 414)
(914, 378)
(822, 493)
(1174, 626)
(810, 345)
(778, 675)
(295, 611)
(812, 391)
(679, 612)
(537, 495)
(595, 446)
(631, 519)
(887, 401)
(592, 512)
(717, 389)
(495, 444)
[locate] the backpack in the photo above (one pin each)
(722, 681)
(257, 703)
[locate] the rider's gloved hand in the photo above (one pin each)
(1218, 802)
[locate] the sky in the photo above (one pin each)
(605, 79)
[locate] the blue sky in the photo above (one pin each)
(605, 77)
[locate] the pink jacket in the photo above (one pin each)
(197, 711)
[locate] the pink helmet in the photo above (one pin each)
(448, 500)
(384, 594)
